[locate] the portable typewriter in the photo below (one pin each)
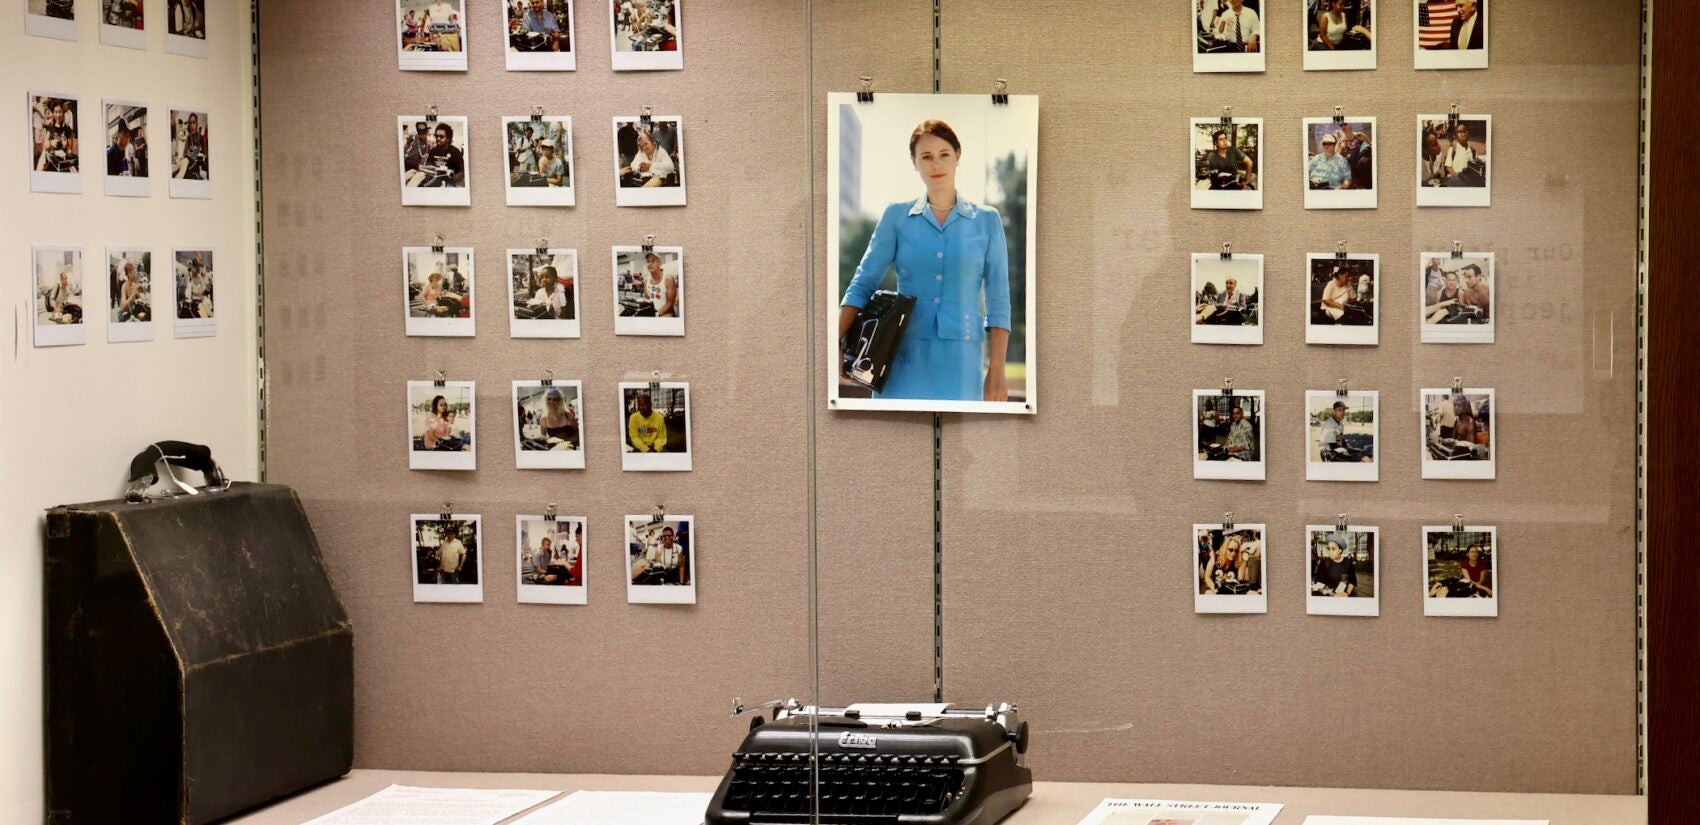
(877, 765)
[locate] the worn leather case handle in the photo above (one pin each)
(183, 454)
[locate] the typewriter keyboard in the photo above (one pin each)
(854, 788)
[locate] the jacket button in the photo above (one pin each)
(935, 300)
(938, 277)
(941, 254)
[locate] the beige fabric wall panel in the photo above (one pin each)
(1067, 537)
(608, 687)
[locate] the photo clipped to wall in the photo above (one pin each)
(129, 273)
(1339, 34)
(1340, 168)
(186, 27)
(539, 160)
(1450, 34)
(127, 150)
(1461, 570)
(548, 425)
(543, 293)
(121, 23)
(193, 270)
(431, 35)
(1227, 35)
(661, 560)
(437, 287)
(1226, 165)
(954, 330)
(51, 18)
(1457, 295)
(1453, 163)
(649, 161)
(1229, 569)
(191, 172)
(649, 290)
(1227, 434)
(552, 559)
(1458, 433)
(440, 423)
(447, 557)
(655, 425)
(540, 35)
(432, 151)
(1340, 299)
(1341, 569)
(56, 295)
(55, 162)
(1227, 298)
(647, 35)
(1342, 435)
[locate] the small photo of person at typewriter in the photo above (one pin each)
(540, 28)
(431, 25)
(433, 161)
(1226, 301)
(655, 424)
(1340, 299)
(1225, 163)
(448, 564)
(1453, 167)
(127, 150)
(649, 161)
(54, 160)
(186, 18)
(122, 23)
(543, 293)
(1339, 34)
(1340, 166)
(539, 160)
(440, 423)
(647, 35)
(1458, 433)
(437, 285)
(548, 425)
(1451, 34)
(551, 567)
(191, 171)
(129, 274)
(196, 311)
(1462, 575)
(649, 290)
(1342, 567)
(1341, 435)
(58, 295)
(1227, 35)
(1228, 568)
(51, 18)
(661, 560)
(1457, 298)
(1228, 434)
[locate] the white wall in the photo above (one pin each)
(73, 416)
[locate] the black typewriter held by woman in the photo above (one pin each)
(877, 764)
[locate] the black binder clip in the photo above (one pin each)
(1000, 92)
(654, 385)
(648, 244)
(548, 378)
(537, 114)
(1340, 388)
(1227, 115)
(1340, 523)
(1452, 119)
(448, 513)
(1227, 251)
(1340, 251)
(647, 119)
(1339, 115)
(1228, 521)
(542, 247)
(1457, 385)
(660, 514)
(1457, 522)
(549, 513)
(866, 94)
(1457, 249)
(431, 114)
(1227, 388)
(442, 380)
(437, 245)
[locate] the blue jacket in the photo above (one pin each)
(944, 267)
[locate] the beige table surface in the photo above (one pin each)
(1053, 803)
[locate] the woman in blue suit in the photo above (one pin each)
(946, 250)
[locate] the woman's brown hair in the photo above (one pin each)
(938, 129)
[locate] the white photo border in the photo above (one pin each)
(549, 459)
(568, 594)
(445, 593)
(1231, 470)
(433, 460)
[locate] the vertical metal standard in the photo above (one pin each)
(938, 468)
(259, 246)
(810, 377)
(1641, 285)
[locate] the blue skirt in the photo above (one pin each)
(936, 370)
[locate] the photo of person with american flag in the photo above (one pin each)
(1450, 34)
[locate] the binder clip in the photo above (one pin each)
(549, 513)
(430, 114)
(1227, 251)
(437, 245)
(1340, 523)
(1340, 390)
(1452, 119)
(548, 378)
(1227, 388)
(1340, 251)
(537, 114)
(1227, 115)
(1000, 92)
(1457, 249)
(647, 119)
(866, 93)
(1457, 522)
(1228, 521)
(648, 244)
(448, 511)
(442, 379)
(542, 247)
(1457, 385)
(1339, 115)
(660, 514)
(654, 385)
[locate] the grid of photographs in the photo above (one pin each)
(1229, 567)
(129, 278)
(122, 24)
(540, 35)
(127, 149)
(55, 159)
(437, 290)
(432, 154)
(1449, 34)
(539, 160)
(1340, 299)
(191, 172)
(649, 290)
(440, 423)
(56, 295)
(543, 293)
(552, 553)
(192, 272)
(648, 35)
(431, 35)
(1461, 570)
(1453, 163)
(649, 161)
(1225, 166)
(186, 28)
(1458, 433)
(661, 560)
(1457, 297)
(1227, 35)
(549, 425)
(1340, 169)
(1339, 34)
(1226, 302)
(51, 18)
(446, 559)
(1228, 434)
(1342, 435)
(655, 425)
(1340, 570)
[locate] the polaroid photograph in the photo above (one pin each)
(543, 293)
(1457, 297)
(649, 161)
(51, 18)
(1181, 812)
(1227, 35)
(648, 35)
(961, 335)
(1340, 570)
(437, 285)
(56, 293)
(431, 35)
(1340, 167)
(1225, 165)
(192, 271)
(649, 290)
(1228, 434)
(549, 425)
(1340, 299)
(121, 24)
(661, 560)
(655, 425)
(1228, 569)
(540, 160)
(1450, 34)
(1458, 433)
(551, 549)
(1453, 168)
(1342, 434)
(55, 164)
(433, 161)
(1461, 570)
(440, 422)
(191, 176)
(129, 279)
(127, 149)
(447, 564)
(540, 35)
(1339, 34)
(1226, 298)
(186, 27)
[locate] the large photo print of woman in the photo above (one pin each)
(930, 234)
